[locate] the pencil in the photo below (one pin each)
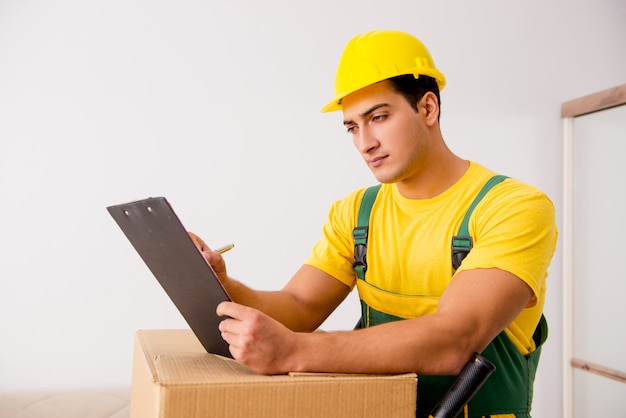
(225, 248)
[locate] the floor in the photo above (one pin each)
(111, 403)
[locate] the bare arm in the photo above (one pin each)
(477, 305)
(302, 305)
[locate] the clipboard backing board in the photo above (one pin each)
(159, 237)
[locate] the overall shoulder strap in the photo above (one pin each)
(360, 231)
(462, 243)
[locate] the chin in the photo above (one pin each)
(383, 177)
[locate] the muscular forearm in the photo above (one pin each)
(468, 317)
(424, 346)
(437, 344)
(406, 346)
(302, 305)
(282, 305)
(279, 305)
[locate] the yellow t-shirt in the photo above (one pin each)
(409, 245)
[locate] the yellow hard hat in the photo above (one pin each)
(378, 55)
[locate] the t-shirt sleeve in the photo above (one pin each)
(334, 252)
(514, 229)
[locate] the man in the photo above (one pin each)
(429, 316)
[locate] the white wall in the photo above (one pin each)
(216, 106)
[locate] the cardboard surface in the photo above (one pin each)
(174, 377)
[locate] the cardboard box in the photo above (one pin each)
(174, 377)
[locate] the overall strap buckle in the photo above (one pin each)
(360, 251)
(461, 246)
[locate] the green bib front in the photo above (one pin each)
(509, 390)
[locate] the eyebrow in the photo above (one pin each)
(366, 113)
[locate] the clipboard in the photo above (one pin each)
(163, 243)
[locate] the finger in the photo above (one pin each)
(231, 309)
(229, 337)
(230, 326)
(198, 242)
(231, 331)
(240, 319)
(210, 256)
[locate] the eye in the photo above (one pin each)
(351, 129)
(379, 117)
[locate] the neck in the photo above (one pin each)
(435, 176)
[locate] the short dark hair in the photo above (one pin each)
(413, 89)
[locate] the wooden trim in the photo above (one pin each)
(592, 103)
(599, 370)
(568, 267)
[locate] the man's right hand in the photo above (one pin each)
(215, 259)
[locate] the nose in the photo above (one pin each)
(365, 141)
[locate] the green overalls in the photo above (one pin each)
(509, 390)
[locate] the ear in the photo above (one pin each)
(430, 106)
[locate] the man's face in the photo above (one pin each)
(388, 133)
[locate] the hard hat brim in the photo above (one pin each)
(335, 104)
